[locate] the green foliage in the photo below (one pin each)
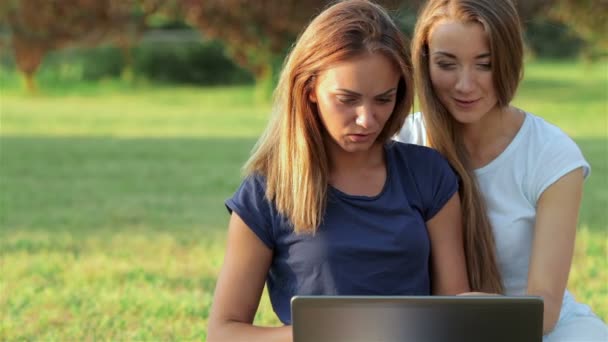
(111, 210)
(548, 38)
(97, 63)
(188, 62)
(405, 17)
(587, 18)
(255, 33)
(176, 62)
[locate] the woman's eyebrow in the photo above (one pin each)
(349, 92)
(354, 93)
(483, 55)
(388, 92)
(443, 53)
(447, 54)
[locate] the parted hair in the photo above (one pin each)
(501, 24)
(291, 153)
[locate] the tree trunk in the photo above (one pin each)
(264, 84)
(28, 56)
(267, 77)
(127, 73)
(30, 83)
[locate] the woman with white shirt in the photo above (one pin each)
(525, 172)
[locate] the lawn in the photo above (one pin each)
(112, 220)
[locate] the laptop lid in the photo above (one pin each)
(416, 318)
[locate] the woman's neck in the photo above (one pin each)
(340, 160)
(487, 138)
(361, 173)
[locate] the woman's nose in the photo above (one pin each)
(365, 116)
(465, 82)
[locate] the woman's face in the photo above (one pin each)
(355, 98)
(461, 74)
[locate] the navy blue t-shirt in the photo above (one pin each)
(365, 245)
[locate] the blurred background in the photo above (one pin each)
(124, 125)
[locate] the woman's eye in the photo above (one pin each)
(445, 66)
(384, 100)
(485, 66)
(347, 100)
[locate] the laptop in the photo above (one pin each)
(416, 318)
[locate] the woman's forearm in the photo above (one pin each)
(552, 308)
(237, 331)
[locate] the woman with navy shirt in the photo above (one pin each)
(330, 205)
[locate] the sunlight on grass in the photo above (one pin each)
(178, 112)
(111, 201)
(572, 96)
(588, 279)
(121, 285)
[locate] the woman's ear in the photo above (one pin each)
(312, 96)
(312, 89)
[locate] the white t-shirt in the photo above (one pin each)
(539, 154)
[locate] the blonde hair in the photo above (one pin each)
(501, 23)
(291, 152)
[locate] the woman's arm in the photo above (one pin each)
(239, 288)
(448, 266)
(554, 232)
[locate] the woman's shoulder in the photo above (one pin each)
(548, 141)
(425, 175)
(251, 193)
(546, 132)
(410, 149)
(253, 182)
(413, 156)
(549, 154)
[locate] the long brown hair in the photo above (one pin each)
(501, 23)
(291, 154)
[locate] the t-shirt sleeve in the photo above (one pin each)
(560, 156)
(443, 184)
(434, 179)
(251, 204)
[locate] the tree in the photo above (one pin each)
(39, 26)
(256, 33)
(530, 9)
(586, 17)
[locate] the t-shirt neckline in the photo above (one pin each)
(342, 194)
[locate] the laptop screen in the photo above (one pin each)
(418, 318)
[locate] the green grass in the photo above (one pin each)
(575, 97)
(112, 220)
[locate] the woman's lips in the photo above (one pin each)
(360, 137)
(466, 103)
